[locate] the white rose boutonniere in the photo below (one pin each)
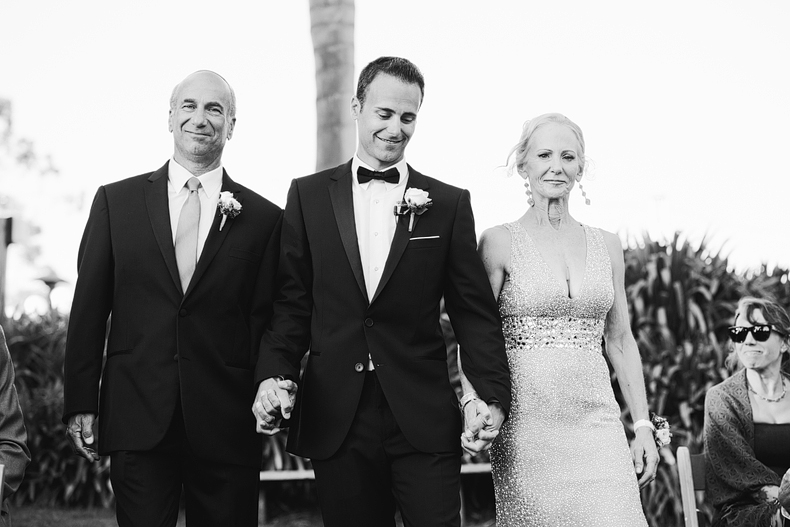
(228, 206)
(415, 202)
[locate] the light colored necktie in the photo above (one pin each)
(187, 234)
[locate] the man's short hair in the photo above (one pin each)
(231, 110)
(398, 67)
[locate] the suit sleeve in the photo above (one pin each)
(288, 338)
(90, 309)
(14, 453)
(473, 312)
(266, 285)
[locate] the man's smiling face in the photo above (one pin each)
(199, 117)
(386, 121)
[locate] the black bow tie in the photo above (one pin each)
(390, 176)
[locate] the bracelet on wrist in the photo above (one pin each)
(468, 397)
(659, 426)
(644, 423)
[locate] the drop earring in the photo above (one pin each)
(530, 201)
(584, 194)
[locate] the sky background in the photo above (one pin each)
(684, 105)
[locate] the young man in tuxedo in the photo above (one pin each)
(183, 260)
(362, 280)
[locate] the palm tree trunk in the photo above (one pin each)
(332, 30)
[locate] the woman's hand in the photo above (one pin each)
(481, 426)
(645, 455)
(767, 493)
(770, 494)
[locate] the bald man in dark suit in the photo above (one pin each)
(183, 261)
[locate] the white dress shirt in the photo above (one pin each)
(177, 192)
(375, 220)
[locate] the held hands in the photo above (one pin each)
(645, 455)
(79, 431)
(481, 425)
(274, 402)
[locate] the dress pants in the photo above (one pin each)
(148, 486)
(376, 469)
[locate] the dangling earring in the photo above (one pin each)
(530, 201)
(584, 194)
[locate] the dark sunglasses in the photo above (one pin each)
(760, 332)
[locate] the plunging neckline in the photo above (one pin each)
(556, 279)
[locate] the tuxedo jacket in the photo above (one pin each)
(324, 307)
(167, 347)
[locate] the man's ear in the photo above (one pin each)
(170, 121)
(231, 128)
(356, 107)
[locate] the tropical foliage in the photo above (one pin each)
(682, 298)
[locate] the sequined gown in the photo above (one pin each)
(562, 458)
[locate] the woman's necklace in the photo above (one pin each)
(768, 399)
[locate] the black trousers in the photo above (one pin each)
(376, 469)
(148, 486)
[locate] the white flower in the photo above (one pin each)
(663, 436)
(415, 201)
(228, 202)
(661, 433)
(415, 197)
(228, 206)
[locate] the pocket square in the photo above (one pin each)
(423, 238)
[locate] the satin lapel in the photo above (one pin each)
(159, 214)
(215, 236)
(402, 234)
(343, 206)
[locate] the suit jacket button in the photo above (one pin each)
(359, 367)
(182, 313)
(175, 357)
(369, 322)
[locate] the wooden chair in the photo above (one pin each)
(691, 472)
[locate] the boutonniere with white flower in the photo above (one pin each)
(228, 206)
(415, 202)
(662, 433)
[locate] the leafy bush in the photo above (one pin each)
(55, 476)
(681, 300)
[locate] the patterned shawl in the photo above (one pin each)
(732, 472)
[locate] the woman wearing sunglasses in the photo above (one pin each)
(747, 421)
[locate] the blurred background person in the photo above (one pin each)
(14, 454)
(747, 420)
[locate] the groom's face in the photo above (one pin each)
(386, 121)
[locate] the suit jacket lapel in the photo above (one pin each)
(343, 206)
(402, 234)
(215, 236)
(159, 214)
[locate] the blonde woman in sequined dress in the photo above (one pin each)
(562, 458)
